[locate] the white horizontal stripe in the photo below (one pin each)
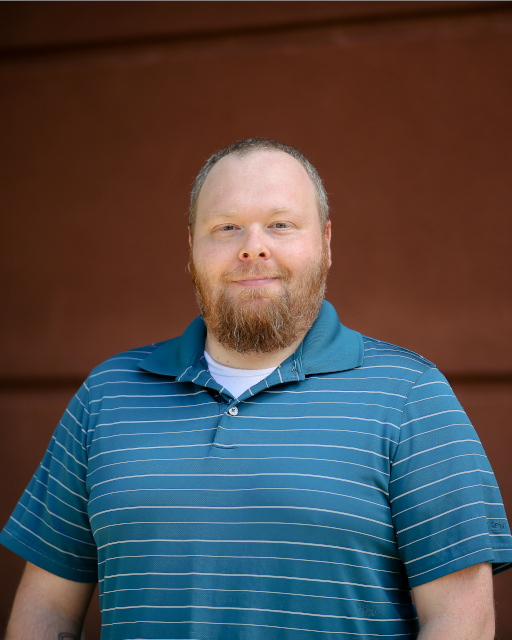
(63, 426)
(155, 382)
(154, 433)
(184, 372)
(73, 524)
(59, 533)
(231, 557)
(58, 444)
(438, 497)
(82, 511)
(164, 395)
(426, 384)
(235, 460)
(330, 402)
(423, 486)
(241, 445)
(442, 461)
(162, 407)
(391, 366)
(472, 553)
(440, 515)
(138, 372)
(392, 355)
(177, 490)
(432, 415)
(299, 430)
(278, 593)
(202, 371)
(444, 395)
(247, 575)
(168, 446)
(293, 613)
(70, 414)
(240, 416)
(239, 475)
(266, 626)
(425, 433)
(251, 523)
(68, 553)
(68, 471)
(110, 424)
(83, 405)
(245, 507)
(439, 446)
(340, 391)
(442, 531)
(79, 495)
(361, 378)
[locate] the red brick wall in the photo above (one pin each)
(108, 110)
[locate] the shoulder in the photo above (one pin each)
(126, 362)
(382, 354)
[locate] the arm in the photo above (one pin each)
(47, 607)
(459, 606)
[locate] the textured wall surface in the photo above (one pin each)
(108, 110)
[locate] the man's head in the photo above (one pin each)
(246, 147)
(260, 250)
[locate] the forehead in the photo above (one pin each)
(263, 179)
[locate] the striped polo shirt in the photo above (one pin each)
(306, 508)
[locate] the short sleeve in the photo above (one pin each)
(49, 526)
(446, 505)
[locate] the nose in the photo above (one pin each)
(254, 246)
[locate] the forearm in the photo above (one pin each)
(47, 607)
(452, 628)
(34, 621)
(458, 606)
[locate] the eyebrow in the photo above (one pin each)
(234, 214)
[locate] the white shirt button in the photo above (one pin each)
(233, 411)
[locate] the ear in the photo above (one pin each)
(190, 237)
(328, 240)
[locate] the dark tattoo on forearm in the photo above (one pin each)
(67, 636)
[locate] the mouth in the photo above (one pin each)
(255, 282)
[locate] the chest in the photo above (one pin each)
(187, 469)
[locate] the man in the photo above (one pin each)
(269, 474)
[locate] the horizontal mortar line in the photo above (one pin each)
(502, 377)
(41, 383)
(37, 383)
(11, 54)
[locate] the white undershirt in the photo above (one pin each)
(236, 381)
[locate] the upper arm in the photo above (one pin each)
(41, 593)
(464, 600)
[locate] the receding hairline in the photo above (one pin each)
(237, 157)
(250, 146)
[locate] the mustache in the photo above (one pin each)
(255, 271)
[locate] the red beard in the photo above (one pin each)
(256, 321)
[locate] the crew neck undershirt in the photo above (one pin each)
(236, 381)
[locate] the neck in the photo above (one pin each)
(231, 358)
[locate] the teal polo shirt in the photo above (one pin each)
(306, 508)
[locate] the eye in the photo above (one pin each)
(280, 225)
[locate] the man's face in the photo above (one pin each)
(259, 256)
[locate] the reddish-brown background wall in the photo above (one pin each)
(107, 111)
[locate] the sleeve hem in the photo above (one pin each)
(18, 546)
(500, 561)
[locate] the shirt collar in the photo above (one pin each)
(328, 347)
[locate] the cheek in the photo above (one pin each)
(211, 261)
